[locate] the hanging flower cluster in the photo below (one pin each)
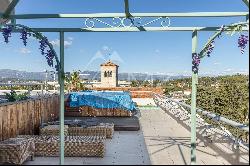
(49, 54)
(196, 62)
(43, 44)
(24, 36)
(210, 48)
(7, 33)
(242, 43)
(211, 45)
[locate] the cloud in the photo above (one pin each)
(24, 51)
(234, 71)
(228, 70)
(217, 63)
(67, 43)
(70, 38)
(55, 42)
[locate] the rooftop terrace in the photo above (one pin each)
(161, 140)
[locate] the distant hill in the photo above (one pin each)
(8, 74)
(22, 75)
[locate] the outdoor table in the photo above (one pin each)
(53, 130)
(103, 129)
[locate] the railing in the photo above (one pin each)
(215, 136)
(178, 109)
(214, 117)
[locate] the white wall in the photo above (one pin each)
(144, 101)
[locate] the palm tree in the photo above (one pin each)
(73, 82)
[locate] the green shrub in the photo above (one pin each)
(13, 96)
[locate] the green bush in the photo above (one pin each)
(13, 96)
(227, 96)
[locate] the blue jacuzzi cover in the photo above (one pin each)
(102, 99)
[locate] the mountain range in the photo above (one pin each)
(8, 74)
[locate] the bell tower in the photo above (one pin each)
(109, 74)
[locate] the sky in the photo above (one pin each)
(145, 52)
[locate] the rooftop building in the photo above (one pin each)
(109, 74)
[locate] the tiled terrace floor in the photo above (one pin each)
(162, 140)
(126, 147)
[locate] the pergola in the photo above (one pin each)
(126, 22)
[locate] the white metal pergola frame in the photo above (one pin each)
(120, 18)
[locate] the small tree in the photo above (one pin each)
(73, 82)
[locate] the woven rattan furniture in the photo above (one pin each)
(16, 150)
(53, 130)
(86, 111)
(75, 146)
(103, 129)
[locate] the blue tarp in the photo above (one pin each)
(102, 99)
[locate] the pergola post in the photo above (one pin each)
(61, 82)
(193, 103)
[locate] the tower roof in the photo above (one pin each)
(109, 63)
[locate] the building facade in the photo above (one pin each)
(109, 74)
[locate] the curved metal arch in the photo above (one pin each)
(38, 36)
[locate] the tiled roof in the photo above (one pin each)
(109, 63)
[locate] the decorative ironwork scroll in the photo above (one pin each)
(126, 22)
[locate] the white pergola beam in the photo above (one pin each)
(128, 29)
(112, 15)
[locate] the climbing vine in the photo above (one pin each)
(46, 47)
(209, 46)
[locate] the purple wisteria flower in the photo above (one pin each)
(57, 67)
(43, 44)
(7, 33)
(50, 56)
(196, 62)
(24, 36)
(242, 43)
(210, 48)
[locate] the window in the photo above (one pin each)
(110, 73)
(105, 74)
